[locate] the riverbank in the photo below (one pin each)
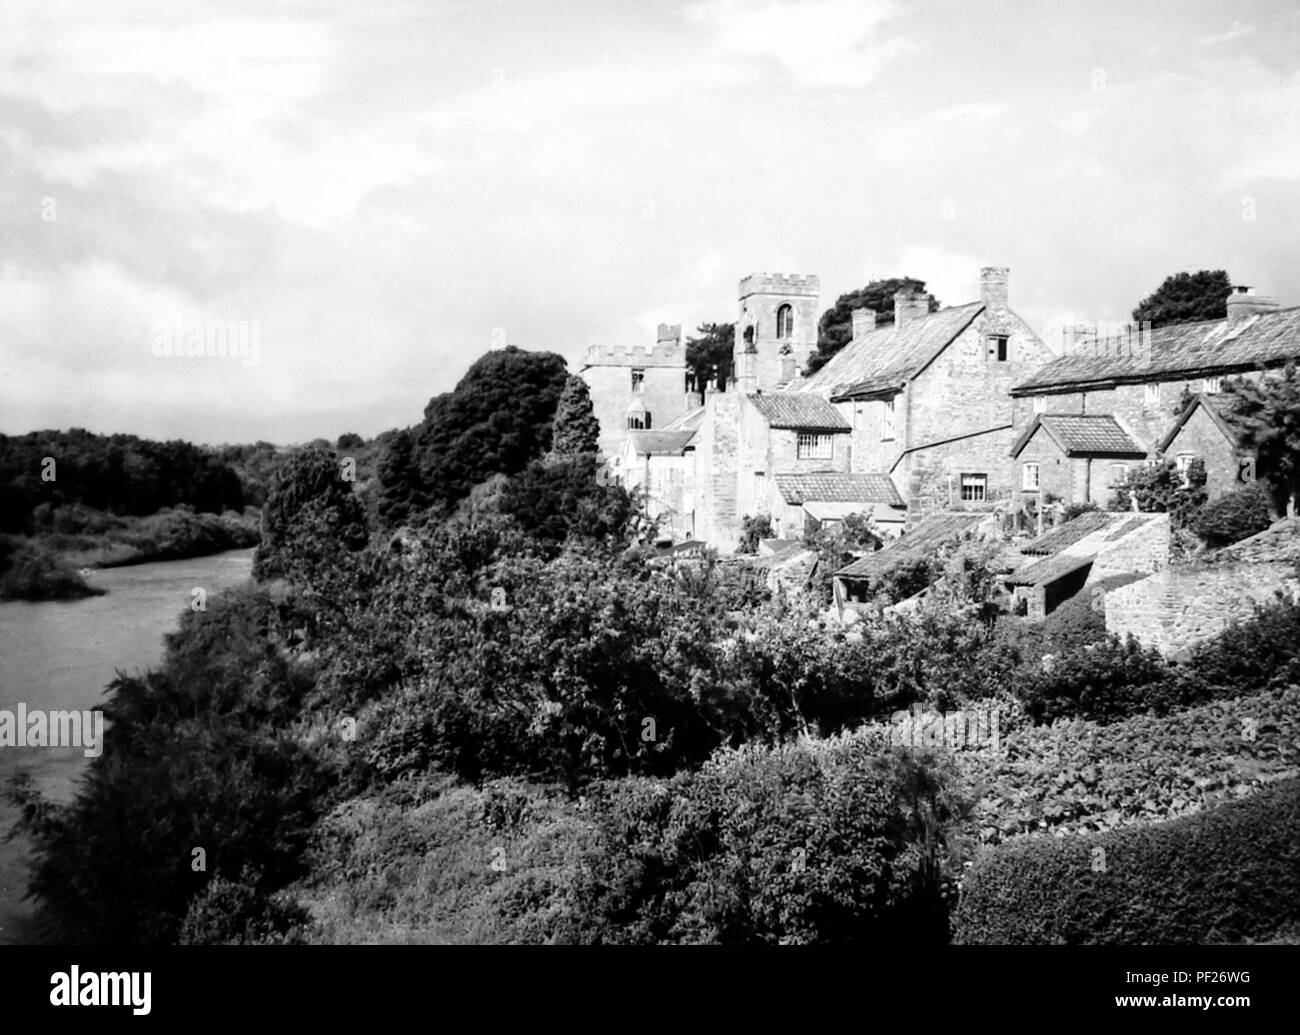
(48, 565)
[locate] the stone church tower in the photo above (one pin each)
(776, 330)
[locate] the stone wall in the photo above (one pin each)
(1176, 608)
(608, 373)
(1202, 437)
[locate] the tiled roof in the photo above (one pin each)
(1057, 539)
(1047, 570)
(1080, 435)
(1210, 348)
(661, 443)
(832, 486)
(920, 541)
(887, 357)
(799, 410)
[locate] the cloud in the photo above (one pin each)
(819, 43)
(1238, 30)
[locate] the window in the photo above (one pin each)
(1211, 385)
(998, 347)
(638, 379)
(1029, 481)
(887, 425)
(1184, 462)
(1040, 404)
(1118, 474)
(638, 422)
(785, 321)
(760, 487)
(1151, 395)
(814, 447)
(974, 487)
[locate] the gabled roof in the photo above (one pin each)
(688, 421)
(1206, 349)
(833, 486)
(884, 359)
(931, 533)
(1080, 435)
(1219, 409)
(1046, 571)
(661, 443)
(799, 411)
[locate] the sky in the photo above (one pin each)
(377, 193)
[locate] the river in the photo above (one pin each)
(62, 655)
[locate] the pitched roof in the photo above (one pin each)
(690, 420)
(1080, 435)
(931, 533)
(1057, 539)
(1220, 411)
(661, 443)
(1206, 349)
(833, 486)
(1047, 570)
(884, 359)
(799, 410)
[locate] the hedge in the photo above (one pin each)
(1217, 876)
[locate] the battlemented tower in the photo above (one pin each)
(636, 387)
(776, 330)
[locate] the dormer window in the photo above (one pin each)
(785, 321)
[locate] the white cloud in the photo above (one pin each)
(819, 43)
(1238, 30)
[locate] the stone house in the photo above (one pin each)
(1074, 457)
(1206, 431)
(929, 398)
(1140, 377)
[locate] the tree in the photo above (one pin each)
(495, 421)
(1268, 415)
(310, 520)
(835, 329)
(1161, 487)
(350, 440)
(1186, 298)
(708, 357)
(575, 430)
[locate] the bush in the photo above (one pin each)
(1233, 516)
(798, 844)
(754, 528)
(28, 572)
(229, 912)
(1222, 875)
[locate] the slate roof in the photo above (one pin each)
(920, 541)
(1080, 435)
(1219, 407)
(1047, 570)
(884, 359)
(1207, 349)
(836, 487)
(1057, 539)
(661, 443)
(801, 411)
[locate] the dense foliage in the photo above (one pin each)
(1161, 487)
(1267, 412)
(709, 356)
(496, 420)
(1186, 298)
(1219, 876)
(1234, 516)
(120, 474)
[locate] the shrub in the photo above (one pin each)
(794, 844)
(229, 912)
(1234, 516)
(1222, 875)
(754, 528)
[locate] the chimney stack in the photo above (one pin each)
(993, 287)
(908, 305)
(1243, 303)
(864, 320)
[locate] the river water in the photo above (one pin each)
(61, 655)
